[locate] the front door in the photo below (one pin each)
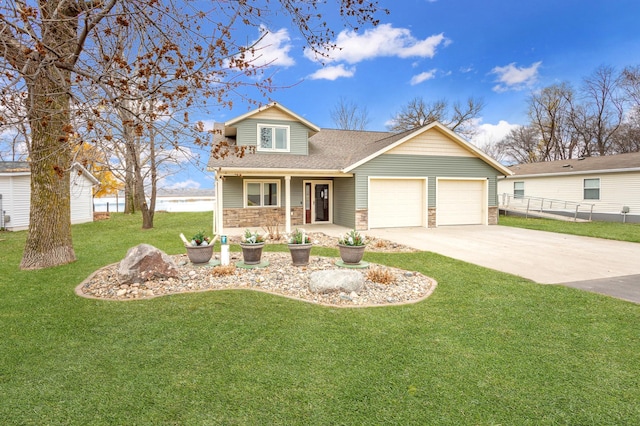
(317, 201)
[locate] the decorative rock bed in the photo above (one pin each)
(280, 277)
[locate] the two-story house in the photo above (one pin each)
(424, 177)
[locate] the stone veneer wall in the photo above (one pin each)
(259, 217)
(431, 217)
(493, 216)
(362, 219)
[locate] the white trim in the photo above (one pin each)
(261, 182)
(287, 204)
(485, 196)
(581, 172)
(224, 171)
(425, 205)
(273, 140)
(313, 200)
(272, 105)
(452, 135)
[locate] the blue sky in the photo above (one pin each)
(497, 50)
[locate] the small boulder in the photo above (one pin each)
(144, 262)
(329, 281)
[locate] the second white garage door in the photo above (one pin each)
(461, 202)
(396, 203)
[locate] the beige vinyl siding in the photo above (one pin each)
(616, 189)
(344, 195)
(420, 166)
(273, 114)
(431, 142)
(247, 134)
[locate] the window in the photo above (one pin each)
(261, 193)
(518, 189)
(273, 138)
(592, 189)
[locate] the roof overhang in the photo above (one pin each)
(580, 172)
(451, 134)
(230, 130)
(242, 171)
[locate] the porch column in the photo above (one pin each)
(287, 204)
(217, 220)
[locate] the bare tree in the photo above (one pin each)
(44, 52)
(550, 115)
(459, 118)
(600, 113)
(347, 115)
(522, 145)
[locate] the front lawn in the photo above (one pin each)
(609, 230)
(486, 348)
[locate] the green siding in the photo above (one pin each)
(233, 188)
(422, 166)
(298, 134)
(232, 192)
(297, 191)
(344, 206)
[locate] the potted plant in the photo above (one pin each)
(200, 248)
(351, 247)
(300, 247)
(252, 244)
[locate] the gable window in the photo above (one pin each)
(518, 189)
(273, 138)
(592, 189)
(261, 193)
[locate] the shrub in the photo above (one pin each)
(381, 275)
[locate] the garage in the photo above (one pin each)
(397, 203)
(461, 202)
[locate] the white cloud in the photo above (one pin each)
(333, 72)
(272, 49)
(492, 133)
(185, 184)
(511, 77)
(424, 76)
(381, 41)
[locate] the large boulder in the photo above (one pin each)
(336, 280)
(144, 262)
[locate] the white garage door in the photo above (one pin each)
(460, 202)
(396, 203)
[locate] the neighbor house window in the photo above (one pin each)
(518, 189)
(273, 138)
(592, 189)
(263, 193)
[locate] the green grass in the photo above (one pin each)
(609, 230)
(486, 348)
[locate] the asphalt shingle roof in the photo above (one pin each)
(14, 166)
(587, 164)
(329, 149)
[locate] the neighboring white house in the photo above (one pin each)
(610, 183)
(15, 195)
(170, 200)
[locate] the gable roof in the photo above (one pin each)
(24, 167)
(14, 167)
(400, 138)
(334, 151)
(234, 121)
(606, 164)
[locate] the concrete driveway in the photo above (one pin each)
(594, 264)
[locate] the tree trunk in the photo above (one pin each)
(49, 240)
